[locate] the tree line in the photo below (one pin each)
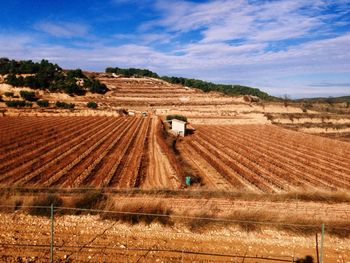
(193, 83)
(47, 76)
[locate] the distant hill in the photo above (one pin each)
(47, 76)
(340, 99)
(194, 83)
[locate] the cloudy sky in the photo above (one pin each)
(295, 47)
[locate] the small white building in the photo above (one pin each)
(178, 127)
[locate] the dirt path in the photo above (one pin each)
(160, 173)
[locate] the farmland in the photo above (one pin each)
(267, 158)
(129, 152)
(276, 185)
(72, 151)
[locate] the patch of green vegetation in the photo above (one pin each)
(28, 95)
(9, 94)
(65, 105)
(132, 72)
(48, 76)
(176, 116)
(43, 103)
(18, 103)
(92, 105)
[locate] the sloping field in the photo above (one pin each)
(266, 158)
(72, 151)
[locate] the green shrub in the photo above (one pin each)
(16, 103)
(41, 205)
(92, 105)
(65, 105)
(28, 95)
(135, 213)
(9, 94)
(43, 103)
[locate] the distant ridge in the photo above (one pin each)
(205, 86)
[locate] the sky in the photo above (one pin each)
(299, 48)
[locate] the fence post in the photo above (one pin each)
(322, 240)
(51, 242)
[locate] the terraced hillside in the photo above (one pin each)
(154, 92)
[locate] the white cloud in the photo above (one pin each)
(233, 43)
(62, 29)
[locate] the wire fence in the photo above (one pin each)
(64, 237)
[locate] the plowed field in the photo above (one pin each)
(267, 158)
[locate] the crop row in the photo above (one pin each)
(248, 156)
(79, 151)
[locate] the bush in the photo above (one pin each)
(28, 104)
(16, 103)
(28, 95)
(41, 205)
(43, 103)
(89, 200)
(9, 94)
(76, 73)
(95, 86)
(92, 105)
(176, 116)
(135, 213)
(65, 105)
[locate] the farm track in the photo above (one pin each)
(160, 173)
(246, 156)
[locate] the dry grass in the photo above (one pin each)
(251, 221)
(135, 212)
(41, 203)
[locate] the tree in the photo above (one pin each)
(76, 73)
(15, 103)
(65, 105)
(43, 103)
(177, 116)
(92, 105)
(28, 95)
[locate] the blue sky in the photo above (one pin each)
(295, 47)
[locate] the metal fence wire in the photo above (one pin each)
(71, 238)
